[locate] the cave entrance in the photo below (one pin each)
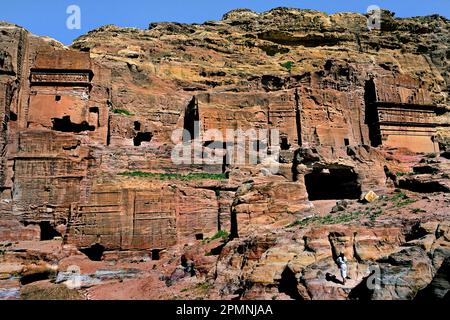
(285, 145)
(191, 120)
(346, 142)
(333, 184)
(2, 59)
(142, 137)
(65, 125)
(94, 110)
(95, 252)
(137, 126)
(34, 277)
(156, 254)
(199, 236)
(372, 119)
(48, 232)
(288, 284)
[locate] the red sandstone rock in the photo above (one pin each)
(75, 119)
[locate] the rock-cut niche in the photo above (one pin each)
(331, 184)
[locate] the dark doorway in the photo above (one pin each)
(156, 254)
(298, 117)
(48, 232)
(288, 284)
(94, 110)
(34, 277)
(65, 125)
(285, 144)
(137, 126)
(372, 119)
(346, 142)
(3, 58)
(95, 252)
(199, 236)
(337, 184)
(191, 119)
(142, 137)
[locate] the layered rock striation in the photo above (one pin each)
(88, 144)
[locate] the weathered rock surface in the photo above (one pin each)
(88, 179)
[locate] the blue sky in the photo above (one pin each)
(48, 17)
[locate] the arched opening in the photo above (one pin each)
(12, 116)
(331, 184)
(95, 252)
(48, 232)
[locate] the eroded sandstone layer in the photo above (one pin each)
(87, 176)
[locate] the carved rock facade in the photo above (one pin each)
(77, 122)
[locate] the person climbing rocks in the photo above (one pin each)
(342, 263)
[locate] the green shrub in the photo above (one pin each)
(404, 203)
(220, 234)
(399, 196)
(400, 199)
(122, 112)
(203, 286)
(175, 176)
(337, 219)
(288, 65)
(375, 214)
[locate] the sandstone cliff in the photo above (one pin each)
(86, 146)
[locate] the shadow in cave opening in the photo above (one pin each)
(288, 284)
(95, 252)
(142, 137)
(48, 232)
(372, 119)
(66, 125)
(191, 120)
(335, 185)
